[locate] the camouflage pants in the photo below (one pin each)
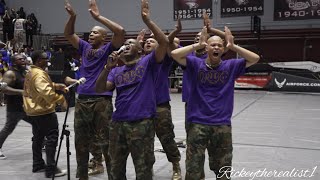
(91, 125)
(136, 138)
(96, 152)
(218, 140)
(187, 125)
(164, 130)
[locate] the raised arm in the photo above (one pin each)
(69, 27)
(210, 30)
(250, 57)
(140, 37)
(102, 85)
(118, 31)
(172, 45)
(161, 49)
(180, 54)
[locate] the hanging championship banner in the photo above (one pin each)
(296, 9)
(231, 8)
(191, 9)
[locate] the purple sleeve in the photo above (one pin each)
(82, 46)
(111, 76)
(150, 60)
(239, 67)
(192, 63)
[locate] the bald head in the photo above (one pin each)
(100, 29)
(215, 38)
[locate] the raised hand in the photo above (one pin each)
(203, 37)
(178, 25)
(93, 9)
(176, 31)
(141, 35)
(69, 8)
(206, 20)
(112, 60)
(145, 12)
(228, 37)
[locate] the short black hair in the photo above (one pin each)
(36, 56)
(13, 58)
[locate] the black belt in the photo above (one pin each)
(165, 104)
(84, 96)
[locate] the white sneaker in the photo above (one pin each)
(58, 173)
(2, 156)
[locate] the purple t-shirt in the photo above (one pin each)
(135, 86)
(185, 79)
(162, 83)
(211, 95)
(93, 61)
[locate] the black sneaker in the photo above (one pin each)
(58, 173)
(39, 169)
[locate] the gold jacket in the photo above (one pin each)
(39, 96)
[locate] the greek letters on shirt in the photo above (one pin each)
(213, 77)
(91, 54)
(130, 76)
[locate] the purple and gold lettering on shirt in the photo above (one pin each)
(130, 76)
(91, 54)
(213, 77)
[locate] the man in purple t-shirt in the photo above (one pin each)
(163, 120)
(93, 110)
(132, 126)
(210, 104)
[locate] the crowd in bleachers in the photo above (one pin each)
(18, 26)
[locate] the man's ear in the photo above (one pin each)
(104, 36)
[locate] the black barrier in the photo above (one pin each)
(292, 83)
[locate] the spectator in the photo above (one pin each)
(7, 26)
(21, 13)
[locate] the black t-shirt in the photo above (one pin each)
(15, 102)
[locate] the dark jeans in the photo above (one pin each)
(11, 122)
(29, 36)
(45, 126)
(7, 34)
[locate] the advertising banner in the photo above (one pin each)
(253, 81)
(287, 82)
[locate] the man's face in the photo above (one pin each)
(215, 47)
(43, 62)
(97, 36)
(21, 60)
(150, 45)
(132, 48)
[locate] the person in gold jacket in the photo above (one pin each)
(39, 100)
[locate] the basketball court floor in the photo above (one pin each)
(275, 136)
